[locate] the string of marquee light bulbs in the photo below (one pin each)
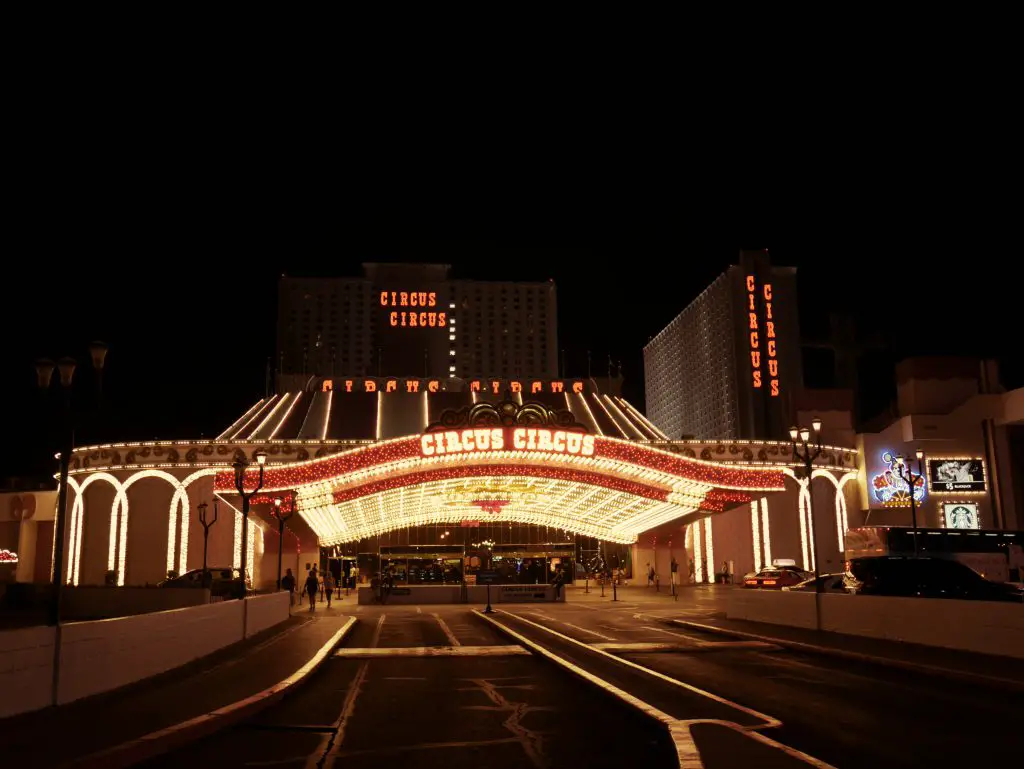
(712, 474)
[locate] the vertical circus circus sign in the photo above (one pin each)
(767, 344)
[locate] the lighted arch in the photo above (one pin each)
(842, 521)
(122, 499)
(181, 497)
(78, 515)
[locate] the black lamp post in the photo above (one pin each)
(206, 535)
(44, 373)
(281, 516)
(241, 465)
(806, 452)
(903, 468)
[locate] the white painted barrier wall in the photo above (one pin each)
(265, 611)
(986, 627)
(26, 669)
(774, 606)
(105, 654)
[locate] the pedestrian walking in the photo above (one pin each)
(288, 583)
(312, 588)
(328, 586)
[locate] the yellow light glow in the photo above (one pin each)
(755, 532)
(327, 413)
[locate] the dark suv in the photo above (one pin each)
(926, 578)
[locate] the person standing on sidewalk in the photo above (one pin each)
(312, 588)
(328, 586)
(288, 583)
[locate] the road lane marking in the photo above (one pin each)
(568, 624)
(447, 630)
(506, 650)
(686, 748)
(326, 752)
(584, 630)
(770, 722)
(656, 646)
(792, 752)
(679, 730)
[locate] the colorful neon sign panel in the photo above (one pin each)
(6, 556)
(891, 489)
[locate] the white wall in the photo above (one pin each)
(264, 611)
(26, 669)
(987, 627)
(774, 606)
(105, 654)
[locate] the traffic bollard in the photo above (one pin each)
(615, 592)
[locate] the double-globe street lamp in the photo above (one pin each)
(806, 451)
(206, 535)
(44, 373)
(241, 464)
(904, 472)
(282, 515)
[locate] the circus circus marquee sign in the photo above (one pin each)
(523, 462)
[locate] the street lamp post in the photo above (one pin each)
(241, 465)
(806, 452)
(206, 535)
(903, 468)
(281, 516)
(44, 373)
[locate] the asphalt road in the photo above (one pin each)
(443, 686)
(844, 713)
(436, 687)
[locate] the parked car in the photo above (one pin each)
(926, 578)
(224, 580)
(781, 574)
(830, 583)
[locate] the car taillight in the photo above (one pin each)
(750, 582)
(768, 582)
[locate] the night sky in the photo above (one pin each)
(189, 310)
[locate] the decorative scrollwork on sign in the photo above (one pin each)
(705, 453)
(734, 449)
(223, 449)
(192, 454)
(762, 455)
(506, 413)
(748, 455)
(302, 455)
(322, 451)
(688, 452)
(172, 455)
(719, 449)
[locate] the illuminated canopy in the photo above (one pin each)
(548, 472)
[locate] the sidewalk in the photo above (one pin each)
(64, 735)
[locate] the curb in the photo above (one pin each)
(155, 743)
(829, 651)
